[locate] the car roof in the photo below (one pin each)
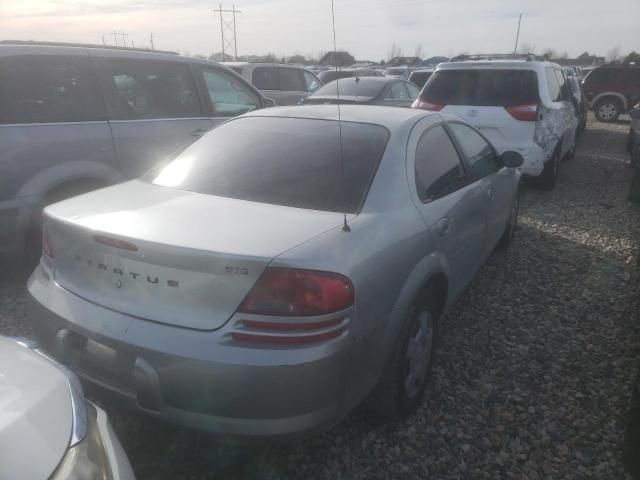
(496, 64)
(389, 117)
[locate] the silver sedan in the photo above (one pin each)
(277, 272)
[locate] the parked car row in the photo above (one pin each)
(302, 255)
(612, 90)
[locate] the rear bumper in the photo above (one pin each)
(194, 378)
(533, 164)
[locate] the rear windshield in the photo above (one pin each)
(354, 87)
(283, 161)
(500, 88)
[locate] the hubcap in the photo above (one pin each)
(607, 111)
(418, 355)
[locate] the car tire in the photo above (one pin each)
(510, 230)
(407, 372)
(572, 151)
(548, 177)
(33, 238)
(607, 109)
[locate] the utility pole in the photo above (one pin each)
(124, 38)
(115, 37)
(515, 49)
(228, 26)
(152, 48)
(103, 42)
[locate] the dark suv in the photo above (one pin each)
(612, 90)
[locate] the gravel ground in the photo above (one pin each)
(532, 374)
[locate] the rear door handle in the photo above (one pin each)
(443, 227)
(197, 132)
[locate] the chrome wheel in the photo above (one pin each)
(608, 111)
(418, 356)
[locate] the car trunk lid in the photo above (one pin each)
(171, 256)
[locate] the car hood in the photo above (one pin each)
(35, 413)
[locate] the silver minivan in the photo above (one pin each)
(285, 84)
(78, 117)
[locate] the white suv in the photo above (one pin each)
(518, 103)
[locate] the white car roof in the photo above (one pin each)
(534, 65)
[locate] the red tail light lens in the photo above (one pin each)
(426, 105)
(296, 293)
(46, 243)
(526, 113)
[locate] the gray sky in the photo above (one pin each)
(366, 28)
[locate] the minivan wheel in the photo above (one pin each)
(547, 180)
(510, 229)
(401, 387)
(607, 110)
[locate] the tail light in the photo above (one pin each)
(47, 251)
(298, 293)
(426, 105)
(526, 113)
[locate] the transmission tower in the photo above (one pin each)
(228, 31)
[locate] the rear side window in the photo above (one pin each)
(413, 90)
(420, 78)
(229, 97)
(553, 85)
(311, 82)
(48, 89)
(475, 87)
(397, 92)
(564, 85)
(480, 155)
(147, 89)
(438, 168)
(284, 161)
(291, 80)
(265, 78)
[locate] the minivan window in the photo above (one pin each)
(228, 96)
(284, 161)
(438, 168)
(147, 89)
(265, 78)
(312, 83)
(48, 89)
(476, 87)
(291, 80)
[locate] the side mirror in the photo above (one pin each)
(269, 102)
(635, 113)
(511, 159)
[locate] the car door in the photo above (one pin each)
(486, 170)
(154, 109)
(568, 111)
(453, 208)
(397, 95)
(225, 95)
(265, 79)
(292, 85)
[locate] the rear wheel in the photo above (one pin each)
(401, 387)
(33, 240)
(510, 229)
(547, 180)
(608, 109)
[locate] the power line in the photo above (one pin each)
(228, 29)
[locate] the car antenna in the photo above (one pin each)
(345, 226)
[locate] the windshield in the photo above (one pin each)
(352, 87)
(283, 161)
(500, 88)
